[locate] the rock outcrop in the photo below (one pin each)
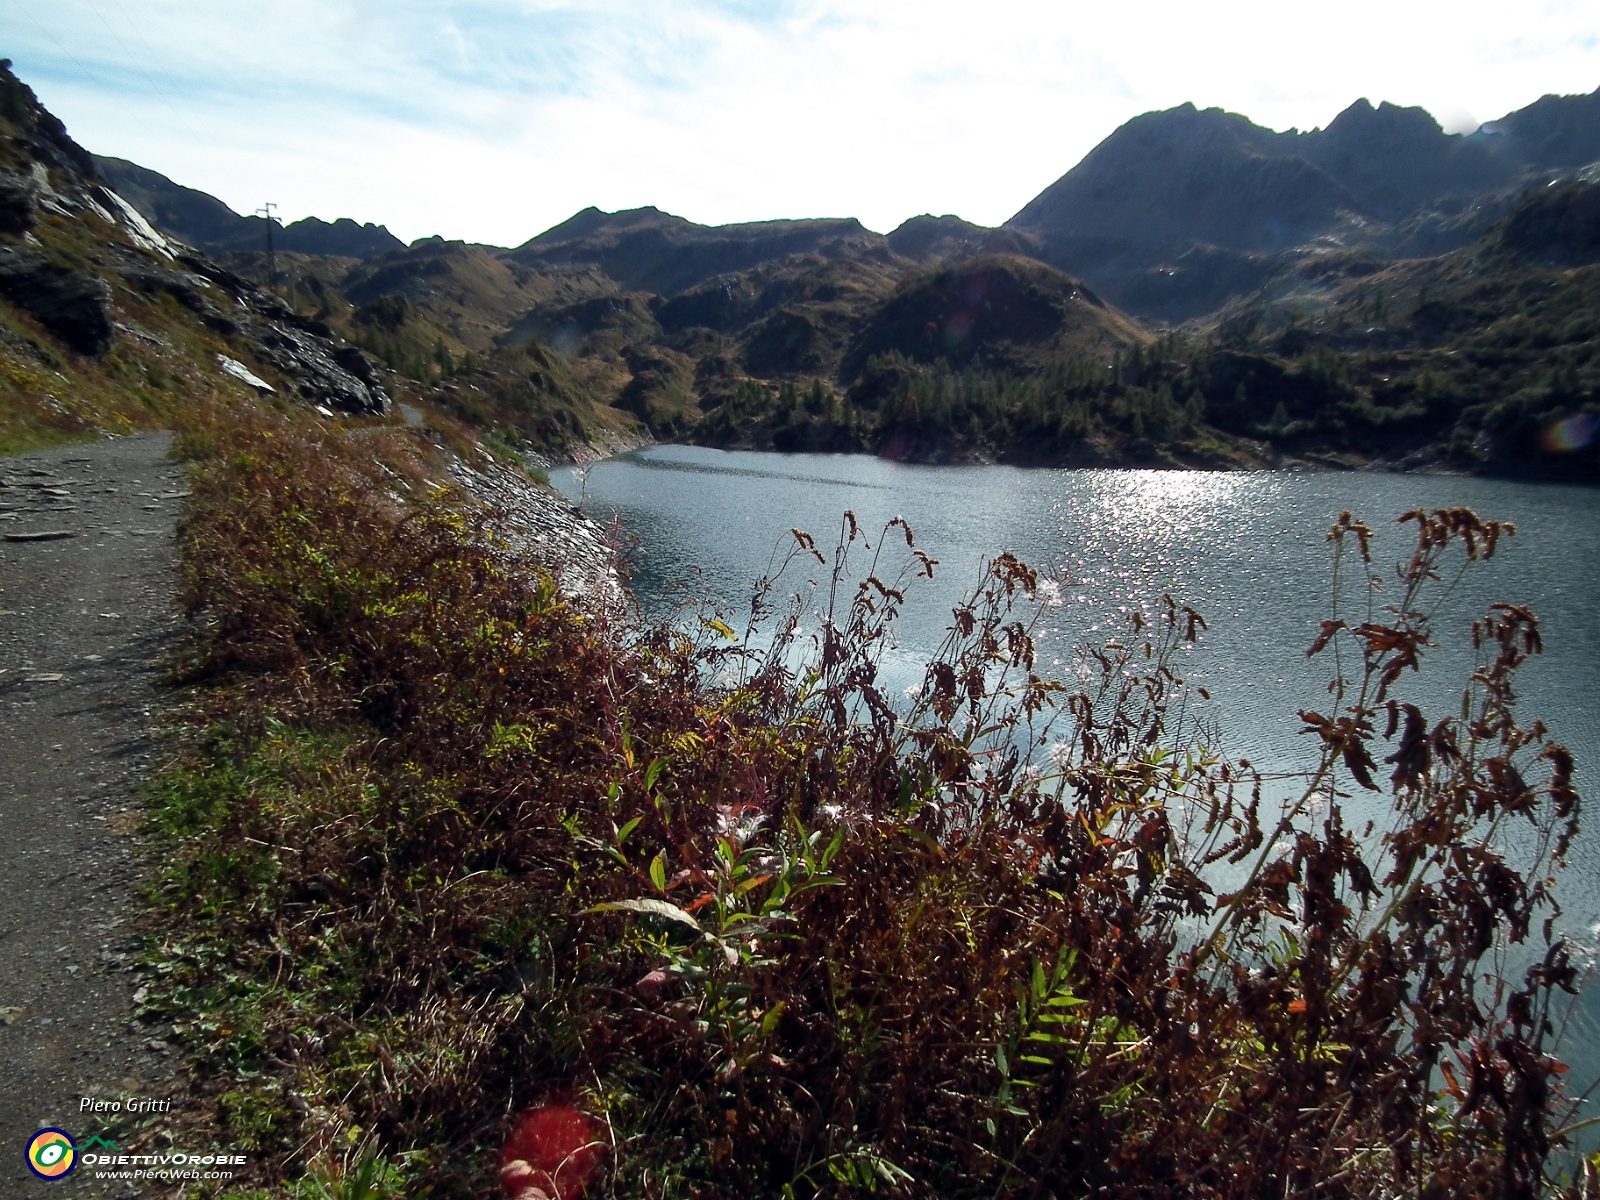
(17, 212)
(75, 308)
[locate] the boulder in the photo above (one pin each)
(75, 308)
(314, 365)
(187, 290)
(16, 202)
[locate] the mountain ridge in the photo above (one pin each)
(1298, 325)
(210, 225)
(1190, 181)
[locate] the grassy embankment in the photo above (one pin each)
(446, 844)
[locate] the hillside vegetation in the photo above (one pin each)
(1486, 359)
(449, 843)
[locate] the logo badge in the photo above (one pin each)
(52, 1154)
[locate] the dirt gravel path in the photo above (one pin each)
(86, 622)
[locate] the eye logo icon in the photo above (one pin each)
(52, 1154)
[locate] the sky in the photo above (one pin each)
(492, 120)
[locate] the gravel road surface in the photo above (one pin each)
(87, 571)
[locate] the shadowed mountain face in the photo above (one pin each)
(1394, 159)
(210, 225)
(999, 311)
(1553, 131)
(1558, 225)
(645, 249)
(1169, 215)
(1165, 181)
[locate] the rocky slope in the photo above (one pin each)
(107, 322)
(82, 268)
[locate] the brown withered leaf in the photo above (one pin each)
(1414, 758)
(1329, 628)
(1360, 763)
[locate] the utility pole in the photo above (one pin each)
(272, 259)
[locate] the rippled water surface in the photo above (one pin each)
(1246, 549)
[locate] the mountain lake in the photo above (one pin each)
(1248, 550)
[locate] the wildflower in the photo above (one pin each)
(1061, 754)
(1050, 593)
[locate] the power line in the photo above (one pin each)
(117, 37)
(73, 58)
(160, 65)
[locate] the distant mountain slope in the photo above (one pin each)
(472, 290)
(645, 249)
(208, 224)
(1486, 359)
(1553, 131)
(998, 312)
(1393, 159)
(1166, 180)
(1190, 195)
(949, 237)
(1345, 295)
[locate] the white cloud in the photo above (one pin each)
(495, 119)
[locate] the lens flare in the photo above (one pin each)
(1572, 434)
(956, 330)
(553, 1152)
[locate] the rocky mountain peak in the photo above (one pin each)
(1173, 211)
(39, 130)
(1391, 124)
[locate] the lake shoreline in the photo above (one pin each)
(1266, 462)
